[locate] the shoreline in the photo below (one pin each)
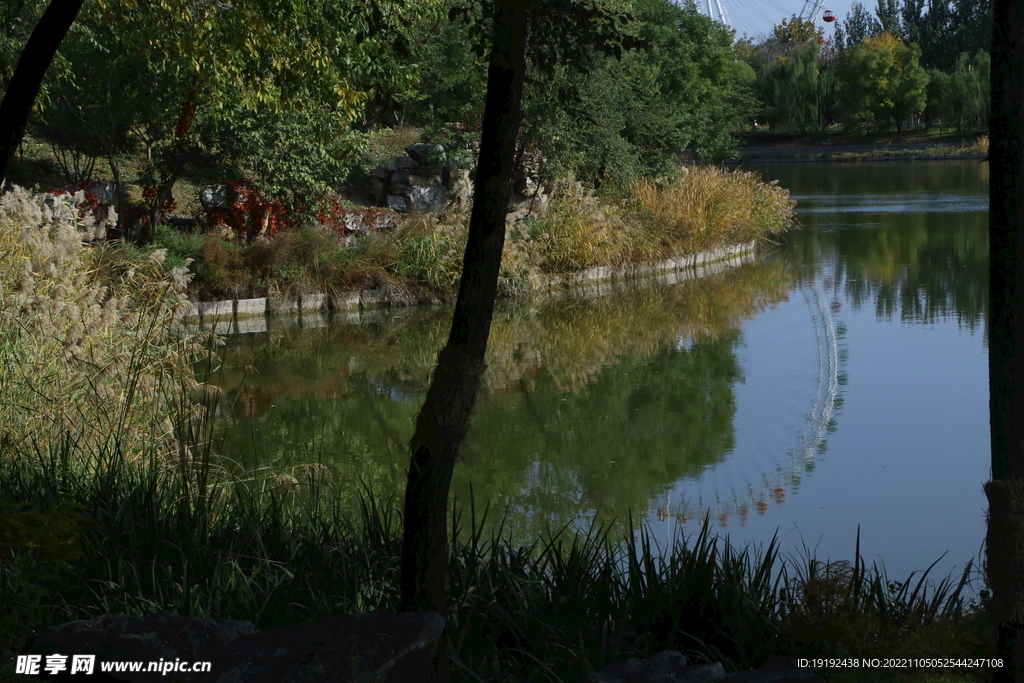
(244, 316)
(855, 157)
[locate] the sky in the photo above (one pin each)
(757, 17)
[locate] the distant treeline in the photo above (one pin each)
(910, 64)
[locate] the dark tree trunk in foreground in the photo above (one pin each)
(1005, 538)
(443, 421)
(28, 75)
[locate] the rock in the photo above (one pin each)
(460, 189)
(396, 202)
(380, 173)
(423, 181)
(426, 198)
(377, 190)
(665, 667)
(214, 196)
(379, 646)
(119, 637)
(105, 191)
(401, 164)
(400, 177)
(426, 155)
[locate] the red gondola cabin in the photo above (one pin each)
(829, 15)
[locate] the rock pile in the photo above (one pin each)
(421, 181)
(424, 180)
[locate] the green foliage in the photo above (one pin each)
(306, 152)
(961, 99)
(943, 28)
(882, 78)
(799, 92)
(796, 31)
(626, 118)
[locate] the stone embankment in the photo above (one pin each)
(239, 316)
(782, 153)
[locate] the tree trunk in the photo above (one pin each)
(28, 75)
(443, 422)
(1005, 538)
(164, 192)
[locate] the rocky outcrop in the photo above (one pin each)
(424, 180)
(421, 181)
(378, 646)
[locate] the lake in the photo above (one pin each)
(833, 382)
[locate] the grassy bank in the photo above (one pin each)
(864, 147)
(111, 503)
(421, 259)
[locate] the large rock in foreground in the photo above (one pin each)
(379, 646)
(120, 637)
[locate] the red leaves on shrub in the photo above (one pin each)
(247, 207)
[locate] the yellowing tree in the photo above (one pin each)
(882, 77)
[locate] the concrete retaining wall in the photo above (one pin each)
(240, 316)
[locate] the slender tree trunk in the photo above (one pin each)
(28, 75)
(1005, 538)
(443, 422)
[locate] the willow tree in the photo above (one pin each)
(1005, 492)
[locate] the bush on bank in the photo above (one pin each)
(703, 207)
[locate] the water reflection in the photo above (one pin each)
(590, 405)
(724, 396)
(906, 239)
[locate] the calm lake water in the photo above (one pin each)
(834, 382)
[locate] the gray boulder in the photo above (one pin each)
(427, 198)
(214, 196)
(426, 155)
(401, 164)
(105, 191)
(120, 637)
(380, 647)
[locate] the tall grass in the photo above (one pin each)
(91, 377)
(708, 207)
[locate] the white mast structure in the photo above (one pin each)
(716, 10)
(811, 10)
